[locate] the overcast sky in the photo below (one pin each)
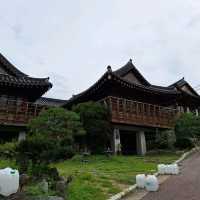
(73, 41)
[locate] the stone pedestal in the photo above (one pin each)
(116, 141)
(22, 136)
(141, 143)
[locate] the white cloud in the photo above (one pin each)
(74, 41)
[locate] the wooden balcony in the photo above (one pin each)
(18, 113)
(129, 112)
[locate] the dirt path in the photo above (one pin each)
(185, 186)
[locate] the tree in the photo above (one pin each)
(187, 130)
(95, 119)
(165, 139)
(57, 123)
(51, 138)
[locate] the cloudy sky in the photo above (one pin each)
(72, 42)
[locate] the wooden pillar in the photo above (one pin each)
(141, 143)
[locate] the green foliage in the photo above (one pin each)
(187, 130)
(7, 163)
(188, 126)
(95, 119)
(42, 151)
(103, 177)
(7, 150)
(184, 143)
(34, 190)
(42, 171)
(57, 123)
(51, 138)
(165, 139)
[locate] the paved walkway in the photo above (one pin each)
(185, 186)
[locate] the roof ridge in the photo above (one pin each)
(128, 67)
(173, 84)
(150, 87)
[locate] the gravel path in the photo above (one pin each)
(185, 186)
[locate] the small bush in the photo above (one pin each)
(7, 150)
(184, 143)
(42, 171)
(165, 139)
(51, 138)
(187, 130)
(42, 151)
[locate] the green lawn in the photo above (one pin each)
(7, 163)
(102, 177)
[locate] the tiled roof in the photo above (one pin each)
(118, 77)
(16, 78)
(7, 80)
(128, 67)
(12, 70)
(180, 83)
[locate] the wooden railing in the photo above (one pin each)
(18, 112)
(141, 114)
(122, 111)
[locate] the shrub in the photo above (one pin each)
(41, 151)
(51, 137)
(187, 130)
(184, 143)
(7, 150)
(165, 139)
(95, 119)
(57, 123)
(43, 171)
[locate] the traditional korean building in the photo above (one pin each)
(18, 94)
(137, 107)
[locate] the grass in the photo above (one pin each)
(102, 177)
(7, 163)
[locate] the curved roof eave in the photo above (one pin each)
(109, 75)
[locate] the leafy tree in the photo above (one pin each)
(57, 123)
(165, 139)
(95, 119)
(51, 138)
(187, 129)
